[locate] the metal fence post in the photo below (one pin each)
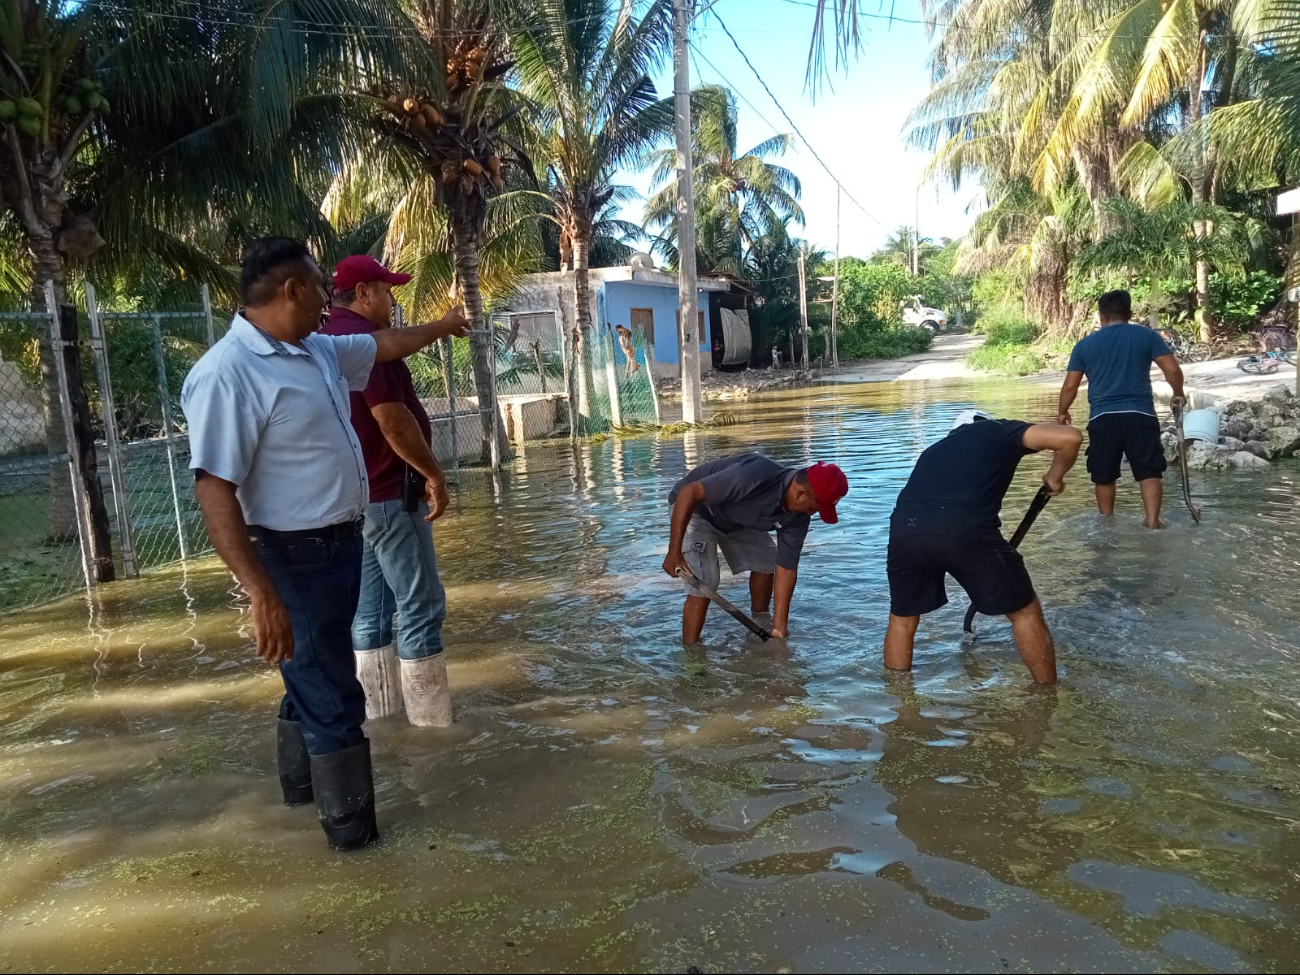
(494, 442)
(126, 538)
(445, 350)
(165, 400)
(611, 375)
(207, 315)
(69, 432)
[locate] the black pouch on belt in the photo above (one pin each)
(412, 489)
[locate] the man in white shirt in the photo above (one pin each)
(282, 483)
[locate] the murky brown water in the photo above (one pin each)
(610, 802)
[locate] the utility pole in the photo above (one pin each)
(803, 308)
(687, 294)
(835, 287)
(916, 235)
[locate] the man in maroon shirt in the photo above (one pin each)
(399, 571)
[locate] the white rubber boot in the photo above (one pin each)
(381, 678)
(427, 693)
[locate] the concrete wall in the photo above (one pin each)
(22, 419)
(620, 297)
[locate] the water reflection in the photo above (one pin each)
(611, 801)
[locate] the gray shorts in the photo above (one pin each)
(747, 550)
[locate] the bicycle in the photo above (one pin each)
(1266, 362)
(1186, 348)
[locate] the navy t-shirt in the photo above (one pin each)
(958, 483)
(747, 491)
(1117, 361)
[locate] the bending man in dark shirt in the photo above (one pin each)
(946, 523)
(733, 504)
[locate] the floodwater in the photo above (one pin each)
(612, 802)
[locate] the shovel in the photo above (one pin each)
(1035, 507)
(1182, 466)
(727, 607)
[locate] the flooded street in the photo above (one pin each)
(611, 802)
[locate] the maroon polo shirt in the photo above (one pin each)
(390, 382)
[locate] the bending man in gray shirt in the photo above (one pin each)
(733, 504)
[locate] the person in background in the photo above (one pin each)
(946, 522)
(399, 567)
(1122, 425)
(734, 504)
(280, 479)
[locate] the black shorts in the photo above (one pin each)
(1135, 436)
(990, 570)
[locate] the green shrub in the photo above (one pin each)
(1007, 360)
(883, 343)
(1006, 326)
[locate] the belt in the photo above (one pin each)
(330, 533)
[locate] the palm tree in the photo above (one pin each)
(1168, 241)
(440, 145)
(125, 130)
(739, 196)
(585, 66)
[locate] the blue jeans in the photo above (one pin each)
(319, 583)
(399, 573)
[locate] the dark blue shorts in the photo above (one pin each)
(988, 568)
(1113, 437)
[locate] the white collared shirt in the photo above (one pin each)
(274, 419)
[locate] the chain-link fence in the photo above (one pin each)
(40, 533)
(143, 358)
(94, 452)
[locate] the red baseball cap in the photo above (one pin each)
(830, 485)
(362, 269)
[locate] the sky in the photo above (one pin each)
(856, 124)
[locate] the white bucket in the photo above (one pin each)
(1201, 425)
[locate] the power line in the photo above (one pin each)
(793, 125)
(1015, 32)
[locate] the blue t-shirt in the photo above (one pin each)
(1117, 362)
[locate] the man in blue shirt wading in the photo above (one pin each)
(1122, 422)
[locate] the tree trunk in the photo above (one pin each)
(47, 265)
(1200, 179)
(582, 331)
(465, 243)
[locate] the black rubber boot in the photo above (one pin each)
(295, 764)
(345, 797)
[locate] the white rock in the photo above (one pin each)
(1244, 458)
(1206, 456)
(1260, 449)
(1233, 444)
(1283, 440)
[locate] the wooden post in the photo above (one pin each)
(125, 535)
(835, 288)
(88, 495)
(207, 315)
(803, 307)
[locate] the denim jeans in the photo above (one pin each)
(399, 573)
(319, 582)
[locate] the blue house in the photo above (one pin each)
(638, 296)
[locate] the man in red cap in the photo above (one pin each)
(733, 504)
(399, 571)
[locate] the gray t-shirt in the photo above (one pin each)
(748, 492)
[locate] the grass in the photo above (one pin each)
(1010, 348)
